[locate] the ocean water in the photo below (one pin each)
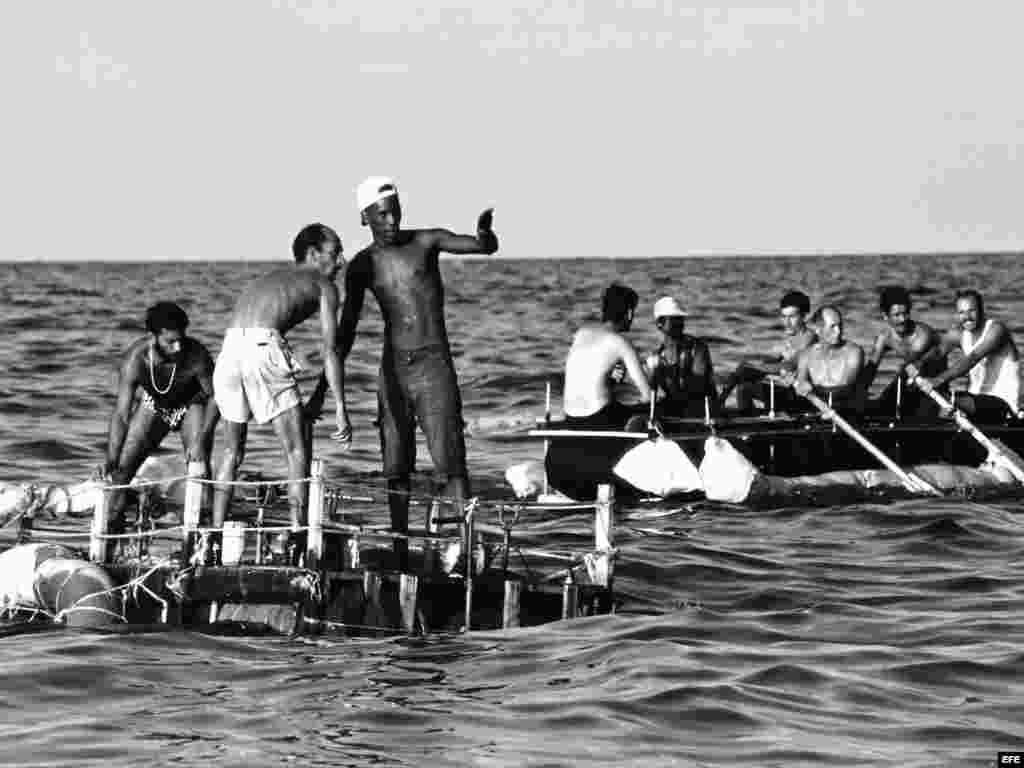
(858, 635)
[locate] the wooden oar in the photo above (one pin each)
(1009, 459)
(910, 481)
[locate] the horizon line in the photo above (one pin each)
(492, 257)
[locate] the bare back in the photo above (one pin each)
(594, 352)
(281, 299)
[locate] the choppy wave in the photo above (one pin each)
(855, 635)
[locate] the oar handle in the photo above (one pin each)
(964, 423)
(911, 482)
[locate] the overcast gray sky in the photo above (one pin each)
(215, 130)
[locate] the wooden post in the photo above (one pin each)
(315, 516)
(468, 542)
(99, 547)
(431, 548)
(350, 553)
(570, 599)
(193, 509)
(510, 614)
(604, 522)
(547, 441)
(408, 586)
(371, 595)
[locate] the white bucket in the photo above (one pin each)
(233, 543)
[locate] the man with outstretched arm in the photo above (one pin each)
(255, 375)
(173, 373)
(417, 380)
(913, 342)
(990, 361)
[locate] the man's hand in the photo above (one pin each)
(618, 372)
(802, 388)
(343, 434)
(486, 221)
(105, 471)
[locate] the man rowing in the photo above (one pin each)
(255, 375)
(680, 371)
(173, 375)
(417, 380)
(990, 361)
(597, 353)
(752, 383)
(831, 368)
(913, 342)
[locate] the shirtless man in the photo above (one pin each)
(990, 360)
(173, 373)
(595, 352)
(831, 368)
(417, 380)
(914, 342)
(255, 373)
(750, 381)
(681, 368)
(599, 352)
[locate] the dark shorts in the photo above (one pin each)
(172, 417)
(420, 386)
(985, 409)
(612, 416)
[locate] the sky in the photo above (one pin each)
(216, 130)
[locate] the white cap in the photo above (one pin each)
(375, 188)
(666, 306)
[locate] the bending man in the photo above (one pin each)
(173, 373)
(255, 373)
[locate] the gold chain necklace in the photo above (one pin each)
(152, 375)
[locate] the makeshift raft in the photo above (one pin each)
(342, 583)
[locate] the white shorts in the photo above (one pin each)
(255, 376)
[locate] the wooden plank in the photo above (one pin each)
(510, 610)
(408, 588)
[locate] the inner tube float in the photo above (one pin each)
(55, 581)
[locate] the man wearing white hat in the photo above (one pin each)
(417, 381)
(681, 368)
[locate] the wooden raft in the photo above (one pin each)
(344, 585)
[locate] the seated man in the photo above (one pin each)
(832, 367)
(990, 360)
(173, 374)
(914, 342)
(681, 368)
(577, 467)
(595, 353)
(752, 383)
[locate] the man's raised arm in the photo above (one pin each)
(484, 242)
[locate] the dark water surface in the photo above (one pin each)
(871, 634)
